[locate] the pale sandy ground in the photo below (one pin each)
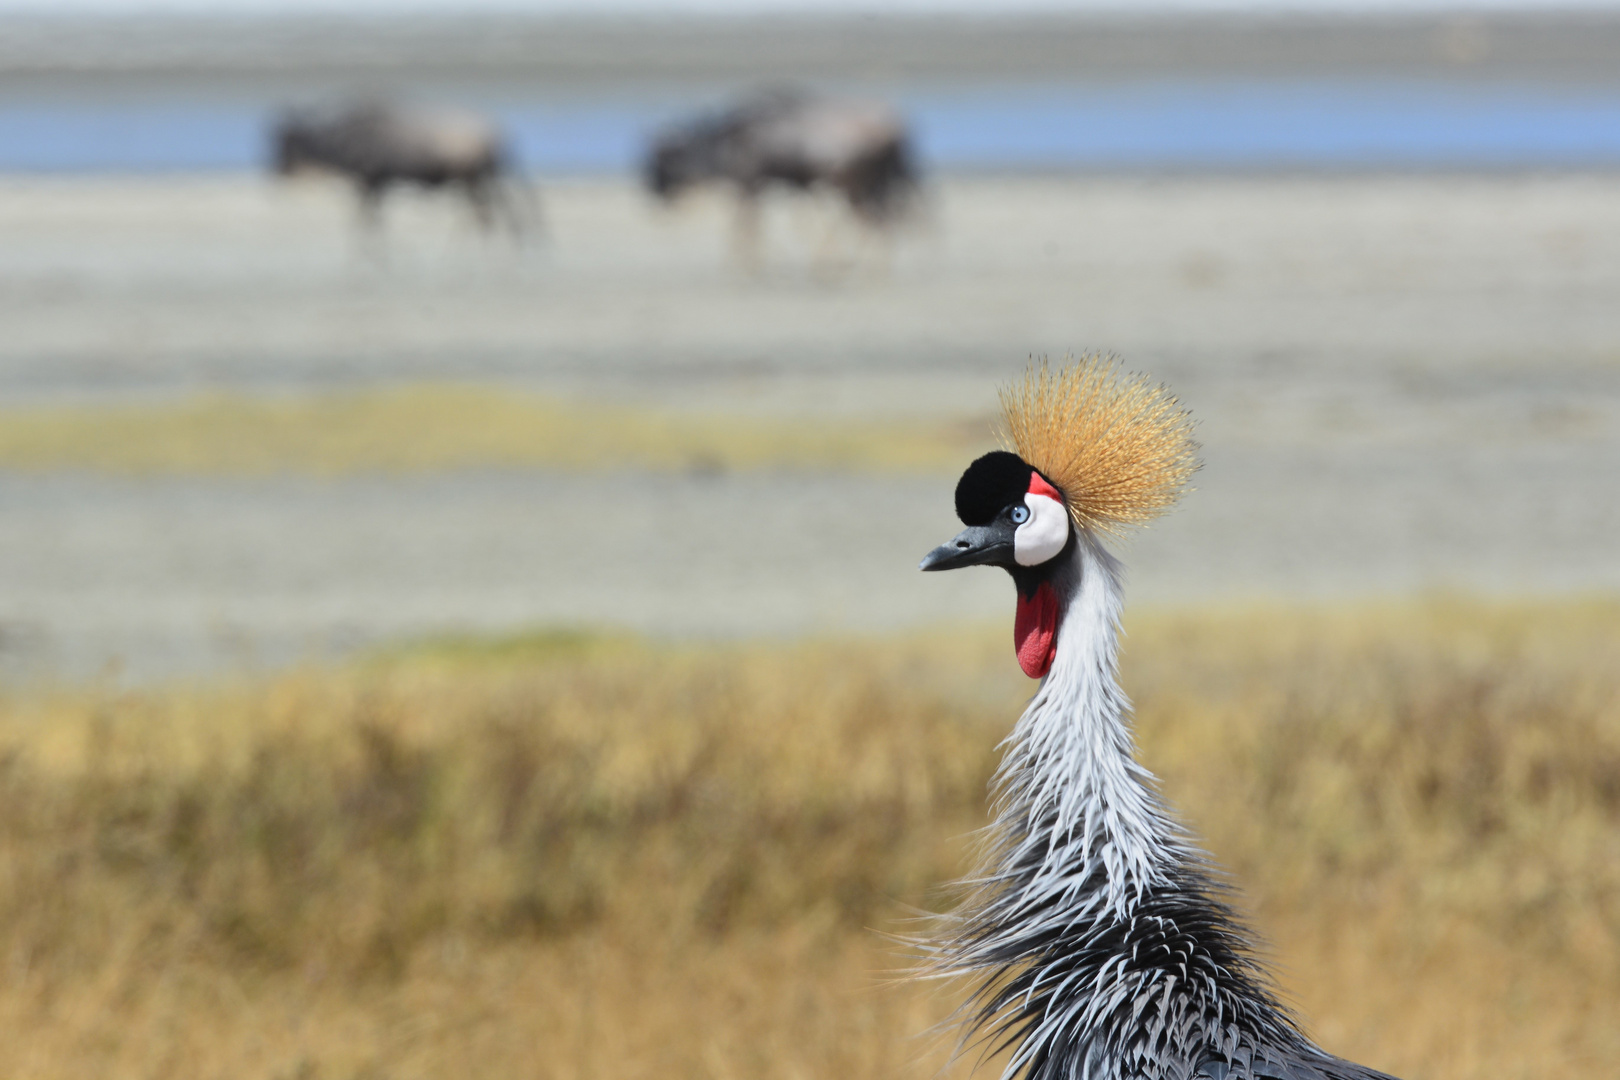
(1404, 383)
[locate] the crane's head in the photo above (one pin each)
(1097, 451)
(1017, 520)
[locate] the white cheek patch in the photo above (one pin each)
(1044, 534)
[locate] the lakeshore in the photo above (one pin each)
(1404, 384)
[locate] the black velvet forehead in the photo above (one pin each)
(990, 484)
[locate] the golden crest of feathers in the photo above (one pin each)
(1118, 445)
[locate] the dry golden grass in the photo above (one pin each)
(573, 857)
(432, 427)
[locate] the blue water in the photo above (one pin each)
(1122, 125)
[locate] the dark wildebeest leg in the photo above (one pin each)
(482, 200)
(516, 206)
(746, 240)
(827, 261)
(501, 198)
(520, 205)
(370, 190)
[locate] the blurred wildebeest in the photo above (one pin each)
(792, 139)
(378, 145)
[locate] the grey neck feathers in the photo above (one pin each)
(1071, 761)
(1105, 949)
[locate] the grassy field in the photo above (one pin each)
(449, 426)
(575, 857)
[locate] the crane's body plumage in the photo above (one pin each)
(1099, 931)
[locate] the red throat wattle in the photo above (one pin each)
(1035, 630)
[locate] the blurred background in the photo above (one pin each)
(430, 644)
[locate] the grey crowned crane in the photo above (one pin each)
(1099, 932)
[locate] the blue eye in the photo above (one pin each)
(1019, 514)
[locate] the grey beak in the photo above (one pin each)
(975, 545)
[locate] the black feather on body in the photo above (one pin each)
(1171, 991)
